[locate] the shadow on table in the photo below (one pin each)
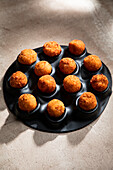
(41, 138)
(77, 137)
(74, 138)
(11, 129)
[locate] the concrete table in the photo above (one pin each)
(29, 24)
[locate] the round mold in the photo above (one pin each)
(76, 56)
(75, 93)
(83, 114)
(99, 93)
(51, 74)
(48, 95)
(37, 119)
(24, 114)
(73, 73)
(25, 67)
(88, 74)
(52, 60)
(56, 122)
(14, 91)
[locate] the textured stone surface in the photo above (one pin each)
(29, 24)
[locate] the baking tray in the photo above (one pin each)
(74, 117)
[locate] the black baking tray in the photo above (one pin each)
(74, 117)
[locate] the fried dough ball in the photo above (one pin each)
(67, 65)
(55, 108)
(87, 101)
(92, 63)
(99, 82)
(51, 48)
(42, 68)
(27, 102)
(76, 47)
(18, 80)
(46, 84)
(27, 57)
(72, 83)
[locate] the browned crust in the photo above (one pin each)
(18, 80)
(46, 84)
(67, 65)
(42, 68)
(99, 82)
(51, 48)
(27, 102)
(87, 101)
(72, 83)
(55, 108)
(76, 47)
(27, 57)
(92, 63)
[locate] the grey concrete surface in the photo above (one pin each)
(29, 24)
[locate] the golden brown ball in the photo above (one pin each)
(67, 65)
(92, 63)
(55, 108)
(46, 84)
(27, 57)
(72, 83)
(87, 101)
(42, 68)
(51, 48)
(99, 82)
(18, 80)
(76, 47)
(27, 102)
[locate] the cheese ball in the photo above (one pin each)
(55, 108)
(99, 82)
(46, 84)
(92, 63)
(72, 84)
(76, 47)
(27, 102)
(51, 48)
(27, 57)
(42, 68)
(67, 65)
(87, 101)
(18, 80)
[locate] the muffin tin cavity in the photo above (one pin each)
(26, 115)
(74, 117)
(25, 68)
(14, 91)
(83, 114)
(103, 94)
(76, 56)
(86, 74)
(47, 95)
(56, 122)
